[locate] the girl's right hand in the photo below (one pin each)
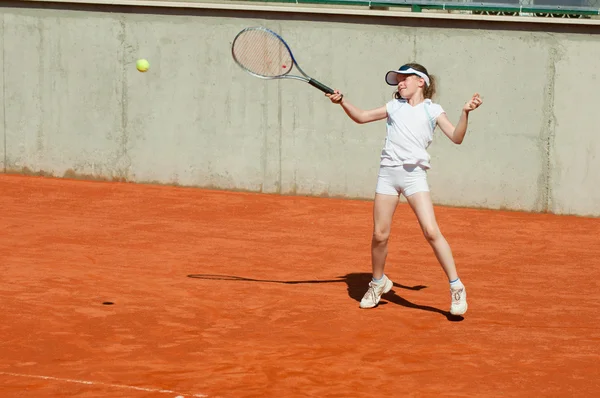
(336, 97)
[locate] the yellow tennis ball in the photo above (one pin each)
(142, 65)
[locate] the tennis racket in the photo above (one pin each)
(263, 53)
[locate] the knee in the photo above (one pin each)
(381, 235)
(431, 232)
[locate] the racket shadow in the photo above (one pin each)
(356, 284)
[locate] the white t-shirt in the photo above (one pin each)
(409, 132)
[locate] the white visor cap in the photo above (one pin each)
(391, 77)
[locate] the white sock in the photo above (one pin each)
(456, 284)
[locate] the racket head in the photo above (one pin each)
(262, 53)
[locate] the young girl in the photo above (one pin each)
(411, 120)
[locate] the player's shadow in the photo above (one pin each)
(356, 284)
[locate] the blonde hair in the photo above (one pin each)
(429, 90)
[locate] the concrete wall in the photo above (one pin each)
(74, 104)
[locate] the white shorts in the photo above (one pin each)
(406, 180)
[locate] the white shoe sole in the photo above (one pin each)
(461, 311)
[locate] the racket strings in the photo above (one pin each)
(262, 53)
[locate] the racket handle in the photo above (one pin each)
(320, 86)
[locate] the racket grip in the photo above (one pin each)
(320, 86)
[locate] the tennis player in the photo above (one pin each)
(412, 117)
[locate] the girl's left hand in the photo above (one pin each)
(473, 103)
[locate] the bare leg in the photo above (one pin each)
(383, 213)
(421, 204)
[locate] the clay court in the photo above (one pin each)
(226, 294)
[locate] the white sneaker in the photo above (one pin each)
(373, 295)
(459, 301)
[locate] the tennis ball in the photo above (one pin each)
(142, 65)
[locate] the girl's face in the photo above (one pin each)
(409, 85)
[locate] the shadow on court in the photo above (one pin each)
(356, 283)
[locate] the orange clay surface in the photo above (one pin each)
(223, 294)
